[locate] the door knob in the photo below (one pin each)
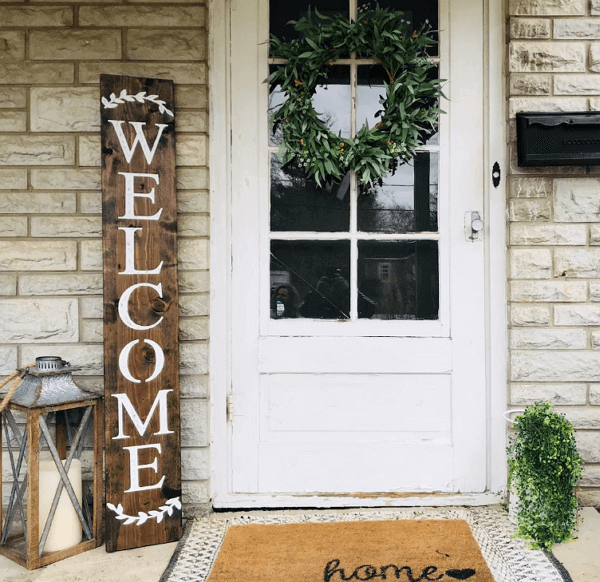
(473, 226)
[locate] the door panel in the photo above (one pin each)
(367, 404)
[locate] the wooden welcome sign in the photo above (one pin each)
(143, 466)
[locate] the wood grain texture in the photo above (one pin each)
(155, 242)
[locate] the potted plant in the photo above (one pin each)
(544, 468)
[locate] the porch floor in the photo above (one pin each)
(581, 559)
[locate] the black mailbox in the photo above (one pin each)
(558, 139)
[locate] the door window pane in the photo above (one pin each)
(298, 204)
(398, 280)
(310, 279)
(406, 202)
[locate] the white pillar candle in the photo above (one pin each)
(65, 530)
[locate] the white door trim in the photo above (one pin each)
(495, 273)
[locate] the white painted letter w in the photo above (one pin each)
(139, 138)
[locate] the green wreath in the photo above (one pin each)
(409, 107)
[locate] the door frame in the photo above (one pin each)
(220, 270)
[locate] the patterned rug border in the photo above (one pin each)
(509, 560)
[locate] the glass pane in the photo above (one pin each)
(370, 94)
(310, 279)
(407, 201)
(283, 11)
(331, 101)
(298, 204)
(398, 280)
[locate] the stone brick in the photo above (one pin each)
(588, 445)
(595, 340)
(35, 73)
(166, 45)
(90, 202)
(594, 106)
(195, 464)
(530, 264)
(544, 56)
(586, 497)
(594, 7)
(193, 254)
(193, 386)
(69, 44)
(13, 179)
(594, 234)
(594, 290)
(8, 284)
(552, 339)
(530, 84)
(529, 315)
(92, 308)
(67, 179)
(577, 315)
(12, 45)
(8, 359)
(35, 320)
(578, 263)
(191, 150)
(194, 282)
(548, 291)
(577, 199)
(595, 394)
(76, 284)
(530, 28)
(547, 234)
(37, 202)
(193, 328)
(191, 98)
(184, 73)
(36, 16)
(547, 7)
(193, 225)
(521, 210)
(36, 150)
(554, 366)
(192, 201)
(193, 358)
(13, 226)
(89, 150)
(13, 121)
(142, 16)
(13, 97)
(192, 121)
(194, 305)
(522, 187)
(88, 358)
(576, 85)
(561, 394)
(546, 104)
(29, 255)
(576, 28)
(594, 57)
(78, 108)
(66, 226)
(92, 331)
(91, 255)
(591, 476)
(195, 493)
(582, 418)
(194, 424)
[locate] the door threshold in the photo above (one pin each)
(346, 500)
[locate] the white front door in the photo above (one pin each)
(381, 388)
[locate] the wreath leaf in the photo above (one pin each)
(142, 517)
(409, 111)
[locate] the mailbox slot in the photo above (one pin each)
(558, 139)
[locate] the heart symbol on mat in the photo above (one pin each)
(461, 574)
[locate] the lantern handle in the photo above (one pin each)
(19, 375)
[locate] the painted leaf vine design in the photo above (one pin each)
(409, 106)
(142, 517)
(140, 97)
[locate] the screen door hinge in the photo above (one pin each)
(229, 407)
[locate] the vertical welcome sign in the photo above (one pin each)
(143, 467)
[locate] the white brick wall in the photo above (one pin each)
(51, 57)
(553, 63)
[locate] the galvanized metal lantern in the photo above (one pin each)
(48, 516)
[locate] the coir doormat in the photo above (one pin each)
(404, 550)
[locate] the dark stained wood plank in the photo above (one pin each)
(150, 316)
